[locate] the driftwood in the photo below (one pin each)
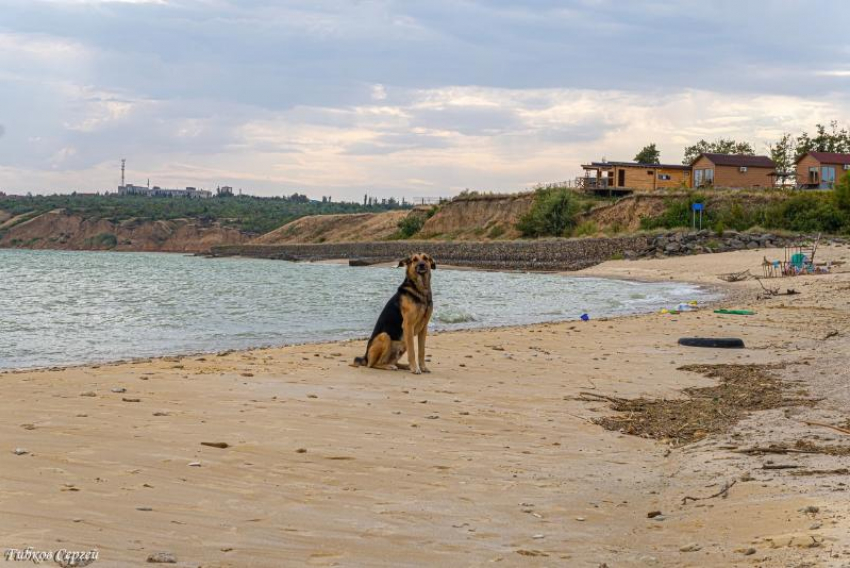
(736, 276)
(774, 450)
(723, 493)
(823, 425)
(780, 466)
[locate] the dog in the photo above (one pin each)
(405, 316)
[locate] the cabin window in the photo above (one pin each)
(827, 174)
(650, 172)
(664, 177)
(704, 176)
(813, 175)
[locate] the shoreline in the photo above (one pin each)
(725, 293)
(492, 457)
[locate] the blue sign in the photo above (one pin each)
(698, 206)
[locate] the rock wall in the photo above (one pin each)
(674, 243)
(543, 254)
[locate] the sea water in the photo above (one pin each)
(64, 307)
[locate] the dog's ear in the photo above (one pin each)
(403, 262)
(433, 264)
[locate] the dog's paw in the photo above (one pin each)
(425, 369)
(416, 370)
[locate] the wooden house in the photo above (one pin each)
(821, 170)
(733, 170)
(628, 177)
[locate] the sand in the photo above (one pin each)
(487, 459)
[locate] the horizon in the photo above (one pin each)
(395, 99)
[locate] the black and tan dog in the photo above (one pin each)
(404, 317)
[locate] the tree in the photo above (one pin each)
(648, 155)
(719, 146)
(784, 155)
(834, 140)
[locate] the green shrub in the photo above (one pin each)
(842, 193)
(586, 229)
(410, 225)
(553, 214)
(496, 231)
(103, 240)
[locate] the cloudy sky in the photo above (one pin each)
(404, 98)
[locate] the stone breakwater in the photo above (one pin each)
(678, 243)
(541, 254)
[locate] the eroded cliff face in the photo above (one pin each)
(357, 227)
(58, 230)
(478, 218)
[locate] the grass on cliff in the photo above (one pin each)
(248, 214)
(798, 211)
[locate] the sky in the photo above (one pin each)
(398, 98)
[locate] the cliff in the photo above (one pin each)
(477, 218)
(58, 230)
(356, 227)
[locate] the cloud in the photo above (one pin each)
(2, 130)
(336, 97)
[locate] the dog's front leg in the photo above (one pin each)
(411, 354)
(422, 335)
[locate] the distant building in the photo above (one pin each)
(821, 170)
(620, 177)
(156, 191)
(224, 191)
(733, 170)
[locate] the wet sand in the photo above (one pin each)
(487, 459)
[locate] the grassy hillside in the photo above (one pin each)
(248, 214)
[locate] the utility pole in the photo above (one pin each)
(123, 162)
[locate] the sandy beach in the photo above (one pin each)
(491, 458)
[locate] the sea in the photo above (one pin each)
(71, 307)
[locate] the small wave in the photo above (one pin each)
(454, 318)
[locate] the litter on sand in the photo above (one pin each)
(735, 312)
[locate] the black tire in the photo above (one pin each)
(713, 342)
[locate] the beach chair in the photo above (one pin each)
(771, 268)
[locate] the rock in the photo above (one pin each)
(221, 445)
(119, 390)
(162, 558)
(693, 547)
(748, 551)
(88, 393)
(194, 464)
(672, 247)
(144, 508)
(28, 426)
(20, 452)
(125, 399)
(753, 245)
(737, 244)
(815, 526)
(810, 510)
(653, 514)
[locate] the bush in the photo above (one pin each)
(103, 240)
(807, 212)
(410, 225)
(553, 214)
(496, 232)
(842, 193)
(586, 229)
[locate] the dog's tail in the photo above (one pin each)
(359, 362)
